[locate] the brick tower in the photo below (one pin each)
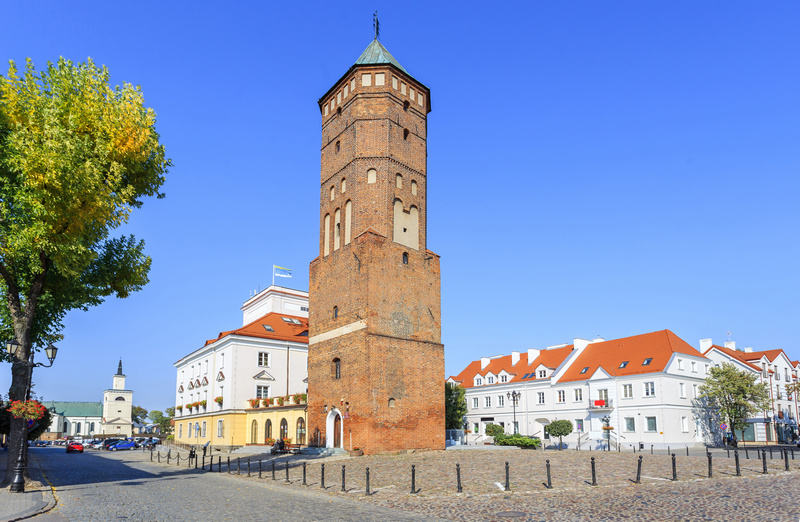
(375, 358)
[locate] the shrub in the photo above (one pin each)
(493, 430)
(270, 441)
(517, 440)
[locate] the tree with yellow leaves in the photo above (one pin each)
(76, 157)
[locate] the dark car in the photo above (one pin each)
(74, 446)
(109, 442)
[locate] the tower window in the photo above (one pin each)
(399, 181)
(372, 176)
(380, 78)
(405, 134)
(405, 105)
(413, 187)
(344, 185)
(338, 113)
(405, 258)
(391, 403)
(332, 193)
(337, 368)
(335, 312)
(366, 80)
(338, 144)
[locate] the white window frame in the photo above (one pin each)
(627, 426)
(578, 394)
(500, 401)
(647, 424)
(694, 366)
(259, 388)
(680, 364)
(649, 389)
(685, 424)
(540, 398)
(682, 390)
(562, 396)
(627, 391)
(220, 428)
(487, 401)
(261, 362)
(475, 403)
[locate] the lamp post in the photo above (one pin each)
(18, 482)
(514, 396)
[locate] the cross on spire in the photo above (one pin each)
(376, 25)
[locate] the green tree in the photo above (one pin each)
(164, 422)
(494, 430)
(455, 406)
(138, 414)
(735, 394)
(560, 429)
(76, 157)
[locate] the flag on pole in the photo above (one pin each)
(279, 271)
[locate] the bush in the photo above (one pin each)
(517, 440)
(493, 430)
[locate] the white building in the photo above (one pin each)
(266, 357)
(774, 369)
(642, 387)
(118, 407)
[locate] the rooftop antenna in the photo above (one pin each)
(729, 336)
(376, 25)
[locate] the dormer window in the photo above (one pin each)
(586, 369)
(542, 374)
(647, 361)
(623, 364)
(490, 380)
(478, 381)
(504, 378)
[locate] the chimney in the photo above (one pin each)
(748, 349)
(731, 345)
(705, 344)
(533, 353)
(580, 344)
(514, 358)
(484, 362)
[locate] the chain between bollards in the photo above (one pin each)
(594, 473)
(639, 471)
(458, 478)
(674, 468)
(344, 489)
(508, 484)
(549, 484)
(736, 458)
(367, 480)
(413, 479)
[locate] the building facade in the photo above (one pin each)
(73, 419)
(375, 355)
(118, 407)
(776, 371)
(221, 387)
(638, 391)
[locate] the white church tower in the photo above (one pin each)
(117, 407)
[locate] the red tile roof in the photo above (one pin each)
(283, 331)
(548, 358)
(736, 354)
(609, 355)
(771, 355)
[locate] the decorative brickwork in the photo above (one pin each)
(376, 362)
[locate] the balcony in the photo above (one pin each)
(601, 405)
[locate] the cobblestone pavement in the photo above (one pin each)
(101, 486)
(752, 496)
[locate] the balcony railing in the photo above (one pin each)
(601, 404)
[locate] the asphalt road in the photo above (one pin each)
(102, 485)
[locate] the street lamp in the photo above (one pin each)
(18, 483)
(514, 396)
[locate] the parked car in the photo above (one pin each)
(109, 442)
(122, 445)
(74, 446)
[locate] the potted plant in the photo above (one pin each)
(356, 452)
(270, 441)
(189, 407)
(179, 408)
(254, 402)
(287, 399)
(28, 410)
(266, 402)
(279, 400)
(299, 398)
(218, 400)
(203, 403)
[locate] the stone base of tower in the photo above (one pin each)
(401, 408)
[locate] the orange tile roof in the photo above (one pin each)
(283, 331)
(548, 358)
(609, 355)
(736, 354)
(771, 355)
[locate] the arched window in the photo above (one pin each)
(326, 246)
(338, 146)
(254, 432)
(268, 430)
(333, 192)
(413, 187)
(120, 399)
(344, 185)
(77, 428)
(337, 368)
(348, 220)
(391, 403)
(301, 431)
(372, 176)
(398, 180)
(337, 230)
(405, 258)
(284, 429)
(405, 134)
(66, 427)
(335, 312)
(91, 428)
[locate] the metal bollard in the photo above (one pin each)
(248, 467)
(151, 455)
(770, 453)
(219, 464)
(786, 460)
(458, 478)
(195, 462)
(736, 458)
(764, 460)
(413, 479)
(322, 477)
(287, 472)
(687, 451)
(508, 485)
(709, 464)
(168, 455)
(549, 484)
(639, 471)
(273, 469)
(259, 468)
(746, 453)
(344, 490)
(159, 457)
(674, 468)
(729, 452)
(669, 450)
(651, 449)
(237, 466)
(367, 481)
(304, 474)
(203, 467)
(228, 467)
(594, 474)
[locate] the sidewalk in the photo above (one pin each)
(18, 506)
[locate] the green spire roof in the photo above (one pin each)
(377, 53)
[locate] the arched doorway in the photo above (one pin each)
(254, 432)
(333, 429)
(301, 431)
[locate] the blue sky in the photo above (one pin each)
(594, 168)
